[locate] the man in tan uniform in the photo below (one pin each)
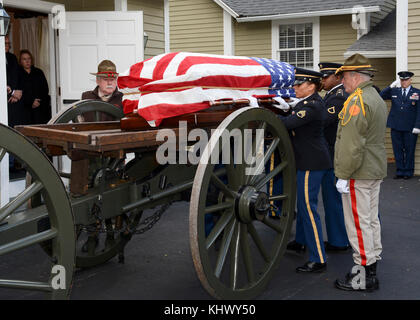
(360, 164)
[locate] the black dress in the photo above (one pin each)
(17, 114)
(35, 86)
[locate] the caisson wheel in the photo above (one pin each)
(101, 242)
(59, 227)
(241, 212)
(91, 109)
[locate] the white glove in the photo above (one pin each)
(342, 186)
(283, 105)
(416, 130)
(396, 84)
(293, 102)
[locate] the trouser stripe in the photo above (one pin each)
(357, 223)
(273, 213)
(311, 216)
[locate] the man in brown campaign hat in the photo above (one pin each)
(106, 80)
(360, 165)
(107, 91)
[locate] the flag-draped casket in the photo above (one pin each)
(178, 83)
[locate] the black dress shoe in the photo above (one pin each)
(398, 177)
(407, 177)
(296, 246)
(351, 283)
(331, 248)
(312, 267)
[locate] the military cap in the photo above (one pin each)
(106, 69)
(303, 75)
(328, 68)
(405, 75)
(357, 63)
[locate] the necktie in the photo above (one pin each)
(404, 93)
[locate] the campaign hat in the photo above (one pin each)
(357, 63)
(106, 69)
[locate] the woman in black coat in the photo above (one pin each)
(35, 90)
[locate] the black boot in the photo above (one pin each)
(355, 281)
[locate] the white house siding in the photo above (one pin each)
(253, 39)
(414, 55)
(196, 26)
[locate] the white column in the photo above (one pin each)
(228, 35)
(402, 36)
(120, 5)
(4, 165)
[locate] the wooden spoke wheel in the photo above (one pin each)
(59, 230)
(240, 218)
(92, 109)
(97, 243)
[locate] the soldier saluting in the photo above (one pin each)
(404, 121)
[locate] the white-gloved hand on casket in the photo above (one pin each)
(282, 104)
(293, 102)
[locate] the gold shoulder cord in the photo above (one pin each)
(358, 94)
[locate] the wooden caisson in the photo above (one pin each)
(114, 176)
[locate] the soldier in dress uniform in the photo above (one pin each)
(306, 124)
(404, 121)
(334, 100)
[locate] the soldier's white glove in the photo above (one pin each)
(283, 105)
(416, 130)
(293, 102)
(396, 84)
(342, 186)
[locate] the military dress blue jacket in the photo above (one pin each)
(334, 101)
(405, 113)
(306, 125)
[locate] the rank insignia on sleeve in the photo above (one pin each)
(301, 114)
(331, 110)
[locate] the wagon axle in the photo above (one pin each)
(251, 205)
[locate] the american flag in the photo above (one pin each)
(177, 83)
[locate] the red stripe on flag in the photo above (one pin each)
(222, 82)
(161, 111)
(357, 223)
(130, 82)
(162, 64)
(129, 105)
(188, 62)
(135, 69)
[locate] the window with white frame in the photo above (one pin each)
(297, 42)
